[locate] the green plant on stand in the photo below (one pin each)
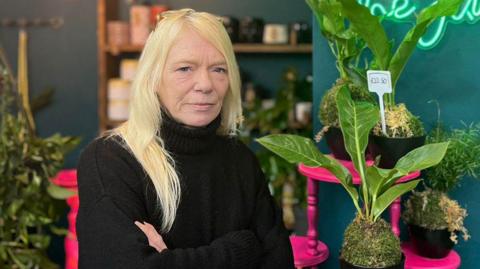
(286, 184)
(368, 240)
(347, 46)
(431, 211)
(28, 200)
(404, 131)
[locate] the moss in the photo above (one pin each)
(434, 210)
(400, 122)
(371, 244)
(328, 113)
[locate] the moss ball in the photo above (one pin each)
(328, 113)
(371, 244)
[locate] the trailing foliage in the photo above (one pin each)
(28, 209)
(462, 157)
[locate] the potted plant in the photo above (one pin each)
(434, 219)
(346, 46)
(284, 181)
(27, 163)
(404, 130)
(368, 240)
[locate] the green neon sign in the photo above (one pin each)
(404, 11)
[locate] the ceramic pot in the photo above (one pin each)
(434, 244)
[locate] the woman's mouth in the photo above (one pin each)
(202, 106)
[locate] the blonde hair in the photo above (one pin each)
(142, 133)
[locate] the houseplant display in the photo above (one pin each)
(368, 240)
(401, 124)
(27, 162)
(347, 47)
(284, 179)
(434, 219)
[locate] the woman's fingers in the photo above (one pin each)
(154, 238)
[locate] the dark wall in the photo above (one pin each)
(448, 73)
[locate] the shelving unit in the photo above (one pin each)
(109, 56)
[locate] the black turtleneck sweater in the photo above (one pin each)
(226, 217)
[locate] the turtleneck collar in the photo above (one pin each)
(180, 139)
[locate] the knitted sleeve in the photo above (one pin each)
(267, 223)
(110, 202)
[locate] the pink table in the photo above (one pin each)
(68, 179)
(308, 251)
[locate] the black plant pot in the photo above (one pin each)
(392, 149)
(336, 144)
(346, 265)
(434, 244)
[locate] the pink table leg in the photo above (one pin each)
(312, 215)
(395, 210)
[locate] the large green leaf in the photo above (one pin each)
(328, 15)
(427, 16)
(418, 159)
(383, 201)
(356, 121)
(370, 29)
(297, 149)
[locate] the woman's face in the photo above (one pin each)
(194, 80)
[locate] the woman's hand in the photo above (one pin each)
(154, 238)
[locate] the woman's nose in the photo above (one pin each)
(203, 81)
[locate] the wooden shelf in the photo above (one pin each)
(238, 48)
(263, 48)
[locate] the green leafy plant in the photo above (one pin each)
(27, 197)
(432, 208)
(370, 29)
(274, 120)
(377, 189)
(347, 47)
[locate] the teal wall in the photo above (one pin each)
(448, 73)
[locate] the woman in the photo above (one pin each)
(173, 187)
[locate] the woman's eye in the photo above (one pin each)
(184, 69)
(220, 70)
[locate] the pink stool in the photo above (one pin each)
(308, 251)
(414, 261)
(68, 179)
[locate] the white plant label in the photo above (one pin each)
(380, 82)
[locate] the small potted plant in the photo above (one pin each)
(434, 219)
(368, 241)
(404, 130)
(347, 47)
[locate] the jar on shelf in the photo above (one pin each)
(118, 99)
(128, 68)
(155, 11)
(117, 33)
(139, 24)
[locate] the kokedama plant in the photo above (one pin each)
(28, 209)
(400, 122)
(432, 210)
(368, 241)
